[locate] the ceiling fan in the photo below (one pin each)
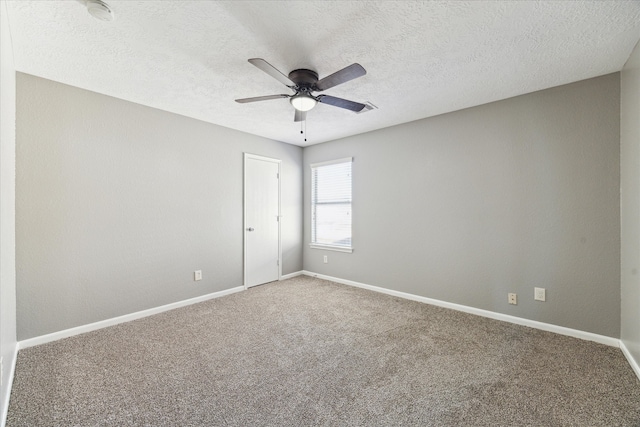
(304, 82)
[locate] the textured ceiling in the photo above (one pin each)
(422, 58)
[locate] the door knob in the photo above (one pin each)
(250, 229)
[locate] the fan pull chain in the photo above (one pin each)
(303, 128)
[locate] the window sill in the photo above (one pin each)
(331, 248)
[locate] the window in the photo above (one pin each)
(331, 205)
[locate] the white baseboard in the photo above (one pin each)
(630, 359)
(602, 339)
(484, 313)
(121, 319)
(5, 399)
(292, 275)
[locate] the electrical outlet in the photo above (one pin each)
(197, 275)
(326, 259)
(513, 299)
(539, 294)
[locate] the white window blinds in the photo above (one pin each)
(331, 204)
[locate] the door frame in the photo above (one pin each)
(248, 156)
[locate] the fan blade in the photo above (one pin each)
(342, 103)
(351, 72)
(260, 98)
(272, 71)
(300, 116)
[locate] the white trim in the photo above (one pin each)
(43, 339)
(331, 248)
(630, 359)
(259, 157)
(5, 399)
(291, 275)
(331, 162)
(279, 219)
(614, 342)
(244, 213)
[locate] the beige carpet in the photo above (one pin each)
(311, 352)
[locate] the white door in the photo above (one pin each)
(261, 220)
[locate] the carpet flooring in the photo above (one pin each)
(310, 352)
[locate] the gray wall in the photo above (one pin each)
(7, 208)
(630, 203)
(468, 206)
(117, 204)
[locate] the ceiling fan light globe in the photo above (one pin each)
(303, 102)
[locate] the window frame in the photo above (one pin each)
(337, 248)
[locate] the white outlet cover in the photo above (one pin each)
(197, 275)
(513, 299)
(539, 294)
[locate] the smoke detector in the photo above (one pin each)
(99, 10)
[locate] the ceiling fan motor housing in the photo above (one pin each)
(303, 78)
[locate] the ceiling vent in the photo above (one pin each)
(368, 106)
